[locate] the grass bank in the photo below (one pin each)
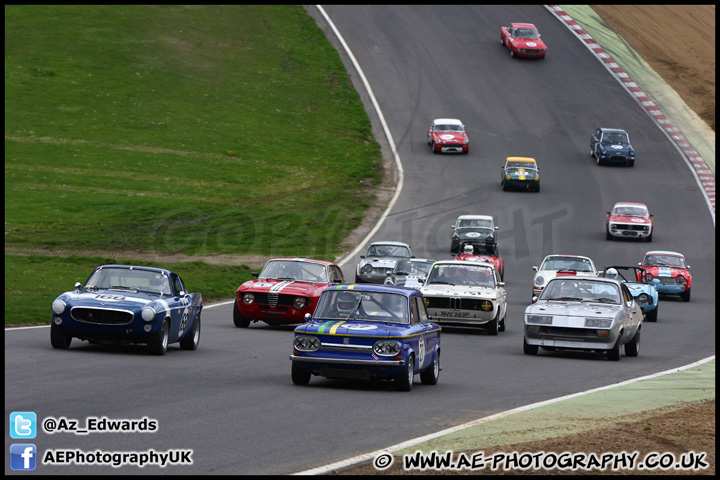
(198, 130)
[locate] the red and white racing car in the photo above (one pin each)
(447, 135)
(284, 291)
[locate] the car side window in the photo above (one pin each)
(177, 285)
(627, 297)
(422, 311)
(414, 318)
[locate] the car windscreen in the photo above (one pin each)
(464, 275)
(577, 290)
(412, 267)
(664, 261)
(449, 128)
(629, 211)
(567, 263)
(295, 270)
(362, 305)
(129, 279)
(388, 251)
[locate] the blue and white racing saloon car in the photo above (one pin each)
(368, 332)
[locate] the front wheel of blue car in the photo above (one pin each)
(431, 375)
(159, 342)
(404, 379)
(192, 339)
(300, 376)
(651, 316)
(59, 338)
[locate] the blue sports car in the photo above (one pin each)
(642, 286)
(128, 304)
(368, 332)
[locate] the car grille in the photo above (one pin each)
(276, 300)
(617, 158)
(626, 226)
(102, 316)
(457, 303)
(667, 280)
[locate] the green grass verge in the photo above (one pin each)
(177, 129)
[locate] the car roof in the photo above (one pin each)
(612, 130)
(475, 217)
(519, 159)
(375, 287)
(296, 259)
(664, 252)
(401, 244)
(631, 204)
(474, 263)
(523, 25)
(567, 255)
(135, 267)
(585, 279)
(451, 121)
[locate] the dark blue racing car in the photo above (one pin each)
(368, 332)
(128, 304)
(612, 146)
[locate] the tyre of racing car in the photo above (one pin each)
(59, 338)
(192, 339)
(632, 348)
(240, 320)
(299, 376)
(404, 379)
(159, 342)
(430, 376)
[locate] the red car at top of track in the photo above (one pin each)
(284, 291)
(523, 40)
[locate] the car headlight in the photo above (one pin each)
(148, 314)
(539, 319)
(539, 280)
(598, 322)
(680, 279)
(386, 347)
(58, 306)
(466, 141)
(536, 178)
(248, 298)
(643, 298)
(507, 177)
(306, 343)
(367, 268)
(300, 302)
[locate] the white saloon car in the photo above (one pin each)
(466, 293)
(584, 313)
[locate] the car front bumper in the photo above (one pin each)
(569, 338)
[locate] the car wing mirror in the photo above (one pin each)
(78, 285)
